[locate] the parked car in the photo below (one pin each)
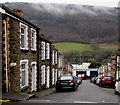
(66, 82)
(92, 79)
(97, 81)
(107, 81)
(82, 76)
(79, 79)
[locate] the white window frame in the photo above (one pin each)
(56, 60)
(53, 76)
(42, 74)
(26, 72)
(47, 51)
(53, 57)
(48, 77)
(43, 50)
(118, 61)
(33, 37)
(25, 27)
(34, 63)
(56, 75)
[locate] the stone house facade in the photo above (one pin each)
(44, 63)
(115, 64)
(60, 64)
(54, 65)
(29, 60)
(19, 53)
(112, 67)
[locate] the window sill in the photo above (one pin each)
(22, 49)
(43, 59)
(33, 50)
(24, 88)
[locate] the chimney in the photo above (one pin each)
(19, 12)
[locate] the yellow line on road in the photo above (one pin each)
(4, 100)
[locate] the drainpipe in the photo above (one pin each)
(38, 60)
(50, 65)
(6, 57)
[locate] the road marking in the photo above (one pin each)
(84, 102)
(41, 100)
(4, 100)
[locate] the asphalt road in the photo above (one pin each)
(86, 93)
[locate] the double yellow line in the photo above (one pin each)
(4, 100)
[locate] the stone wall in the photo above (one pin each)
(15, 54)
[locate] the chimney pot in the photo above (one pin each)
(19, 12)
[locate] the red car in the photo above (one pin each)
(107, 81)
(81, 76)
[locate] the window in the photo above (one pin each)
(43, 50)
(48, 77)
(43, 75)
(53, 75)
(23, 36)
(33, 39)
(56, 57)
(56, 75)
(48, 51)
(53, 57)
(24, 73)
(34, 76)
(118, 61)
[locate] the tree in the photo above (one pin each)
(94, 64)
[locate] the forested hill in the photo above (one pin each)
(72, 23)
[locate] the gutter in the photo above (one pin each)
(6, 57)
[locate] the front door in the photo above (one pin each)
(34, 77)
(48, 77)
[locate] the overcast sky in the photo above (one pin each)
(108, 3)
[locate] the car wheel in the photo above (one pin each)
(113, 86)
(74, 88)
(101, 85)
(57, 89)
(115, 91)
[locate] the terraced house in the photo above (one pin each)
(60, 64)
(44, 63)
(29, 60)
(19, 52)
(115, 64)
(54, 65)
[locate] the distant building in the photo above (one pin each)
(84, 69)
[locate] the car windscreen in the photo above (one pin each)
(66, 78)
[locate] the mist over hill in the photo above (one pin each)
(71, 22)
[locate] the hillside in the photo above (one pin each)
(78, 53)
(72, 23)
(67, 47)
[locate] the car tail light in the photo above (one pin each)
(71, 82)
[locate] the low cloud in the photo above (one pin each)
(72, 9)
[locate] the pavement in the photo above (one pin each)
(17, 97)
